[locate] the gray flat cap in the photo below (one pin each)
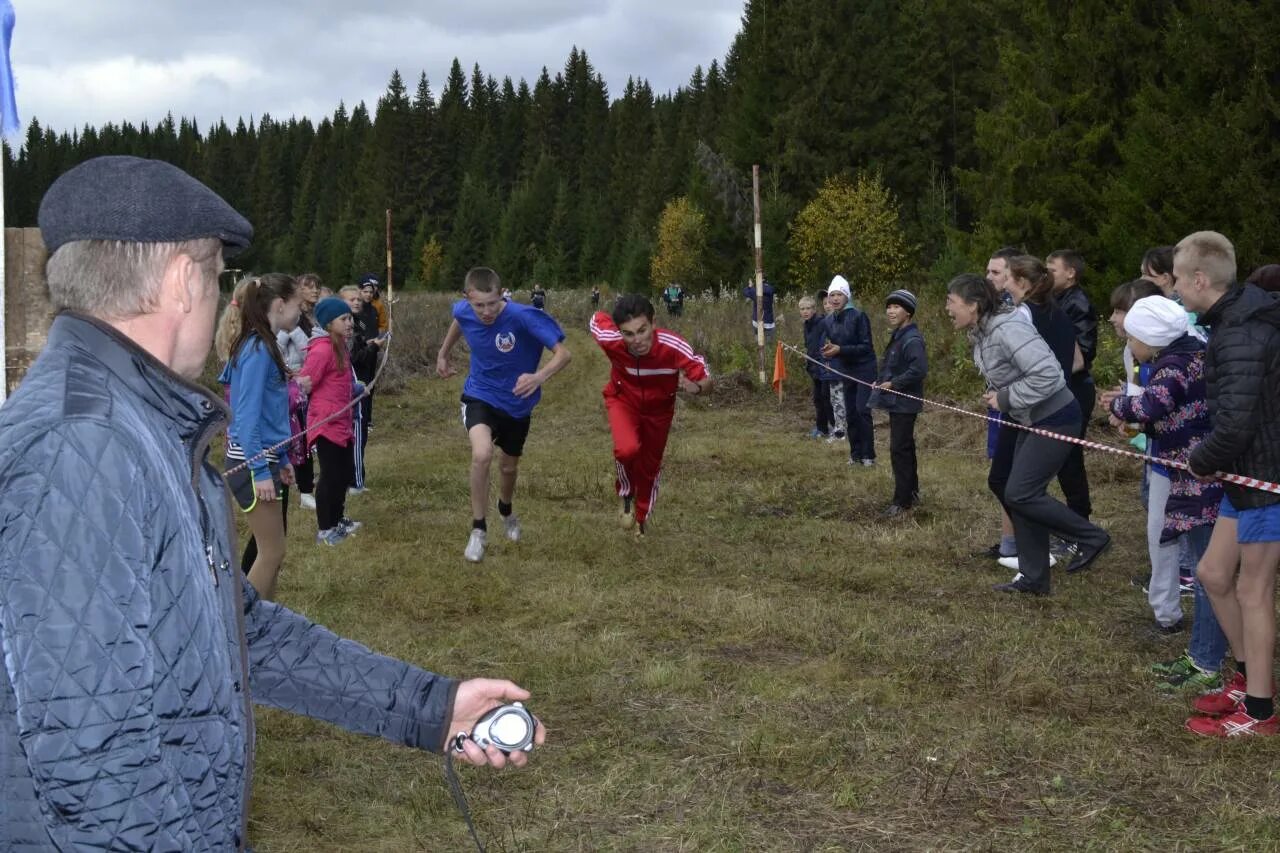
(137, 201)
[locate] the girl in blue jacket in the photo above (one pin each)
(259, 380)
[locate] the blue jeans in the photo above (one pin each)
(1208, 647)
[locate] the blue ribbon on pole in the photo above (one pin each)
(8, 104)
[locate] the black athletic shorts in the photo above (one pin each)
(243, 488)
(508, 433)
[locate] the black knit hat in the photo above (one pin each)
(133, 200)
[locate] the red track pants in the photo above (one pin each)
(639, 440)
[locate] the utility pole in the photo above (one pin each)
(759, 252)
(391, 292)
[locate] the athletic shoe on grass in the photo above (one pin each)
(1236, 724)
(512, 525)
(1217, 703)
(332, 536)
(1182, 674)
(475, 545)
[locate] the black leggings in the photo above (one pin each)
(336, 465)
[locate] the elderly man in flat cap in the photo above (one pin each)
(132, 647)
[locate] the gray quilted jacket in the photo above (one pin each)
(1020, 367)
(125, 715)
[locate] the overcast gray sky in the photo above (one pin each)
(82, 62)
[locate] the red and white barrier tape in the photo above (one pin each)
(1237, 479)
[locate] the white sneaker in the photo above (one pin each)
(348, 527)
(475, 546)
(306, 501)
(1012, 562)
(513, 527)
(352, 491)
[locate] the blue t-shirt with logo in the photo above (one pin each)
(501, 352)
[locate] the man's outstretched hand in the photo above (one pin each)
(475, 698)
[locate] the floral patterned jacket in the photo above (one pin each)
(1173, 409)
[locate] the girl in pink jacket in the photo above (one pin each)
(333, 387)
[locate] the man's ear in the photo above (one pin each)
(183, 283)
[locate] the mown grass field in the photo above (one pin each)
(773, 668)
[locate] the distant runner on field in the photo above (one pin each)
(649, 366)
(503, 385)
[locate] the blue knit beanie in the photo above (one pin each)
(329, 309)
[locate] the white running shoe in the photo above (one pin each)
(348, 527)
(512, 525)
(475, 546)
(306, 501)
(1012, 562)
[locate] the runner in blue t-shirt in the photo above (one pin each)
(503, 385)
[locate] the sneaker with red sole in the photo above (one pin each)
(1223, 701)
(1236, 724)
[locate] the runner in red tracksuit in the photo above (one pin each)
(649, 366)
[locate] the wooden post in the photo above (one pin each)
(26, 302)
(759, 252)
(391, 292)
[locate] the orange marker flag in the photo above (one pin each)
(779, 370)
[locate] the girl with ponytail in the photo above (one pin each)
(258, 382)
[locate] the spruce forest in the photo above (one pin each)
(1107, 127)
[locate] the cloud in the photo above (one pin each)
(78, 63)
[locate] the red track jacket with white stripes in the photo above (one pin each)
(650, 381)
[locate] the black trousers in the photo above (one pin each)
(1036, 515)
(902, 455)
(824, 419)
(336, 464)
(306, 475)
(1072, 478)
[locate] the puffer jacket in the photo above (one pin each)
(131, 646)
(850, 329)
(1242, 368)
(1020, 367)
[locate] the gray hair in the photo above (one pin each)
(112, 279)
